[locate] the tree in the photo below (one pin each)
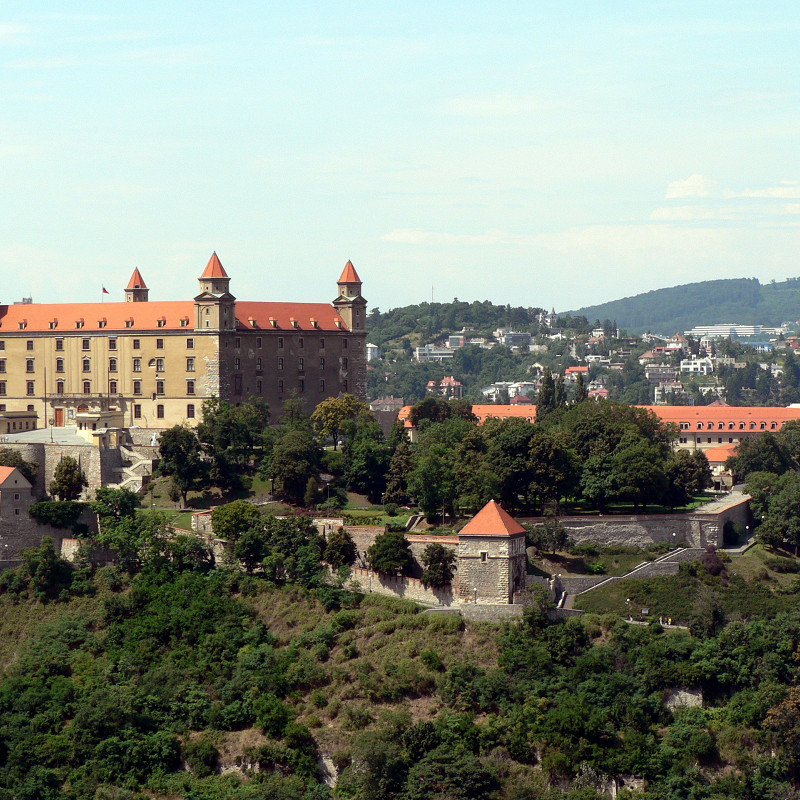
(11, 458)
(230, 521)
(452, 774)
(397, 477)
(553, 469)
(764, 453)
(69, 479)
(546, 399)
(181, 456)
(438, 564)
(366, 458)
(581, 393)
(295, 459)
(115, 503)
(638, 472)
(331, 415)
(390, 552)
(340, 549)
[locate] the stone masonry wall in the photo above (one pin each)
(394, 586)
(490, 568)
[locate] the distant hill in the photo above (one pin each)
(679, 308)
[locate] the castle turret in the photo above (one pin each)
(349, 303)
(215, 306)
(136, 291)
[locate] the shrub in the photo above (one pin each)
(202, 756)
(431, 659)
(390, 509)
(272, 716)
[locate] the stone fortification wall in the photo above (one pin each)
(698, 529)
(99, 464)
(402, 586)
(145, 436)
(490, 613)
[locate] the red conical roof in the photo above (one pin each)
(492, 520)
(349, 274)
(136, 281)
(214, 268)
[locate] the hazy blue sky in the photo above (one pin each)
(534, 153)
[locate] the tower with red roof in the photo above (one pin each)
(492, 562)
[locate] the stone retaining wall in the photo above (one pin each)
(399, 586)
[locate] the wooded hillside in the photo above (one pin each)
(679, 308)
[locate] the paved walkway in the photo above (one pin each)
(65, 435)
(733, 498)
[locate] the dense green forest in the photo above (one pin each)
(679, 308)
(179, 679)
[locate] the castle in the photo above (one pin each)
(152, 364)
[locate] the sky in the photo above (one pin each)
(533, 153)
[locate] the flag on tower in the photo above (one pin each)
(105, 291)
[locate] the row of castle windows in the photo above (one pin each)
(158, 363)
(731, 426)
(160, 387)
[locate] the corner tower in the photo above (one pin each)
(136, 291)
(352, 307)
(215, 306)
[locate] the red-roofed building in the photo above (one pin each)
(156, 362)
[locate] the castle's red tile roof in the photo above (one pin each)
(349, 274)
(720, 454)
(484, 411)
(492, 520)
(136, 281)
(90, 317)
(289, 316)
(214, 268)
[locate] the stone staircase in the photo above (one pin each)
(136, 469)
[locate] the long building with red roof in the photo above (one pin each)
(154, 362)
(697, 427)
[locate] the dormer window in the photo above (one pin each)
(253, 323)
(101, 323)
(129, 323)
(184, 322)
(161, 322)
(294, 322)
(79, 323)
(53, 324)
(23, 324)
(313, 322)
(273, 322)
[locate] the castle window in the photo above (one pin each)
(300, 344)
(59, 387)
(23, 325)
(190, 364)
(237, 342)
(258, 364)
(129, 322)
(159, 344)
(190, 344)
(101, 323)
(259, 387)
(344, 363)
(161, 322)
(190, 411)
(87, 387)
(322, 385)
(79, 323)
(159, 365)
(31, 389)
(300, 364)
(160, 411)
(137, 344)
(237, 384)
(137, 364)
(344, 344)
(752, 426)
(137, 411)
(280, 363)
(59, 344)
(87, 365)
(322, 363)
(258, 342)
(112, 387)
(159, 387)
(112, 364)
(301, 386)
(112, 343)
(280, 342)
(189, 387)
(137, 387)
(763, 426)
(85, 344)
(29, 365)
(237, 363)
(29, 344)
(2, 388)
(59, 365)
(773, 425)
(280, 387)
(322, 343)
(344, 385)
(184, 322)
(484, 556)
(2, 365)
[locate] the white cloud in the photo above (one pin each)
(504, 104)
(787, 190)
(694, 186)
(13, 33)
